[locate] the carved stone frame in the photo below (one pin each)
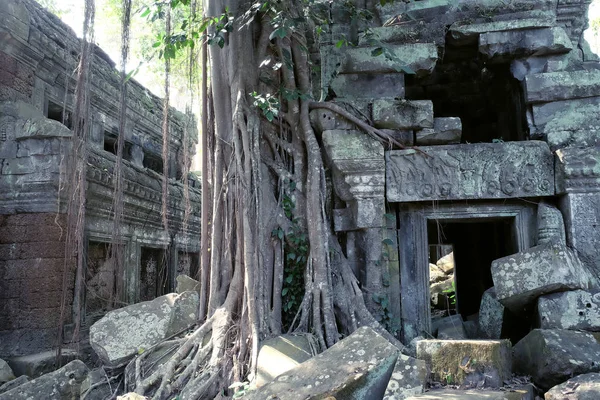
(413, 249)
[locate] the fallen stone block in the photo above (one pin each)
(6, 373)
(34, 365)
(449, 328)
(14, 383)
(556, 86)
(436, 274)
(581, 387)
(446, 263)
(123, 333)
(131, 396)
(440, 293)
(408, 378)
(445, 131)
(186, 284)
(402, 114)
(62, 384)
(282, 353)
(509, 45)
(491, 315)
(369, 85)
(357, 367)
(525, 393)
(575, 310)
(481, 363)
(521, 278)
(97, 386)
(552, 356)
(418, 57)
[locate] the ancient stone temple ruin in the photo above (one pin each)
(502, 103)
(38, 54)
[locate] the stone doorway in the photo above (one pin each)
(465, 226)
(154, 277)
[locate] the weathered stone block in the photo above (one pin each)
(419, 57)
(186, 284)
(470, 171)
(581, 387)
(96, 386)
(435, 274)
(368, 85)
(402, 114)
(508, 45)
(10, 385)
(356, 368)
(282, 353)
(576, 310)
(486, 362)
(556, 86)
(62, 384)
(551, 356)
(452, 321)
(404, 137)
(491, 314)
(122, 333)
(462, 33)
(577, 170)
(325, 120)
(445, 131)
(446, 263)
(6, 373)
(34, 365)
(408, 378)
(524, 393)
(521, 278)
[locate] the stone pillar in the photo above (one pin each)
(578, 181)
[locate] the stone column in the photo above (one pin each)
(578, 181)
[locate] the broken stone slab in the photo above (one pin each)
(6, 373)
(122, 333)
(445, 131)
(463, 33)
(282, 353)
(508, 45)
(186, 284)
(436, 274)
(491, 315)
(556, 86)
(521, 278)
(402, 114)
(575, 310)
(420, 58)
(440, 292)
(96, 386)
(369, 85)
(408, 378)
(446, 263)
(62, 384)
(38, 364)
(525, 393)
(14, 383)
(358, 367)
(552, 356)
(581, 387)
(486, 363)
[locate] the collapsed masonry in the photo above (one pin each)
(38, 54)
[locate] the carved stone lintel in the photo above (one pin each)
(577, 170)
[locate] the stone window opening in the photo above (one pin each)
(485, 96)
(58, 113)
(111, 145)
(99, 282)
(153, 162)
(154, 276)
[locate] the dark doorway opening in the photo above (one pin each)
(474, 244)
(99, 282)
(154, 276)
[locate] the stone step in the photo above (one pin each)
(480, 363)
(526, 393)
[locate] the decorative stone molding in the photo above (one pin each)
(577, 170)
(358, 178)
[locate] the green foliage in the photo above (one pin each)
(451, 293)
(268, 104)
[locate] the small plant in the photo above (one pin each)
(451, 293)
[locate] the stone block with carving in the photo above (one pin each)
(369, 85)
(421, 58)
(551, 356)
(358, 367)
(402, 114)
(521, 278)
(576, 310)
(470, 171)
(480, 362)
(581, 387)
(123, 333)
(507, 45)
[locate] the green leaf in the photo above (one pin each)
(280, 234)
(340, 43)
(377, 51)
(289, 279)
(284, 291)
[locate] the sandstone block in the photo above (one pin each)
(436, 274)
(122, 333)
(419, 57)
(402, 114)
(62, 384)
(357, 367)
(491, 314)
(282, 353)
(325, 120)
(446, 263)
(408, 378)
(14, 383)
(576, 310)
(508, 45)
(521, 278)
(581, 387)
(525, 393)
(186, 284)
(96, 386)
(551, 356)
(368, 85)
(556, 86)
(465, 33)
(479, 362)
(6, 373)
(445, 131)
(38, 364)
